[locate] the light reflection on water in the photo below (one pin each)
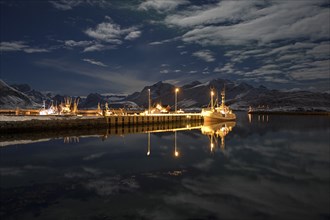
(266, 167)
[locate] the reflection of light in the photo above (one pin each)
(212, 146)
(212, 93)
(250, 118)
(149, 150)
(176, 152)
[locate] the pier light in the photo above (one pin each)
(148, 101)
(176, 99)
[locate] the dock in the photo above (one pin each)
(26, 123)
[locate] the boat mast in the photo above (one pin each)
(223, 94)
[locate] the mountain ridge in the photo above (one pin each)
(239, 96)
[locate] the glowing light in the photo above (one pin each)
(176, 153)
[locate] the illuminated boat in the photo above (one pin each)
(219, 113)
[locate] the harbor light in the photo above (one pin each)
(176, 99)
(148, 101)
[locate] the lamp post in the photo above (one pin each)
(212, 94)
(176, 99)
(148, 101)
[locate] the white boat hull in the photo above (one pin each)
(210, 116)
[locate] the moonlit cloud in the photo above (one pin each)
(205, 55)
(262, 23)
(279, 44)
(20, 46)
(72, 43)
(118, 80)
(98, 63)
(161, 5)
(65, 5)
(99, 47)
(111, 32)
(132, 35)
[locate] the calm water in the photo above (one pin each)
(274, 167)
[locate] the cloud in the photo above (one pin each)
(240, 22)
(205, 55)
(99, 47)
(165, 41)
(72, 43)
(70, 4)
(127, 80)
(132, 35)
(164, 71)
(210, 14)
(98, 63)
(111, 32)
(20, 46)
(312, 71)
(161, 5)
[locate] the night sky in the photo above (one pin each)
(81, 46)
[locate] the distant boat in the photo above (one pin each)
(218, 113)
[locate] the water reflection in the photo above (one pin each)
(216, 131)
(274, 170)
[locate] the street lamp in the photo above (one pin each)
(149, 101)
(176, 99)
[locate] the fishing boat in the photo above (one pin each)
(218, 113)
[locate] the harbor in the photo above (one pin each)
(41, 122)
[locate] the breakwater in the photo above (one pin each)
(10, 124)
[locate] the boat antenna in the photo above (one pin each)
(223, 94)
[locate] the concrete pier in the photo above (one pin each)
(152, 118)
(14, 124)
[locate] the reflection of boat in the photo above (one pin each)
(214, 131)
(218, 113)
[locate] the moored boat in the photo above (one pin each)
(218, 113)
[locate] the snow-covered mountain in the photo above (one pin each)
(193, 95)
(238, 96)
(12, 98)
